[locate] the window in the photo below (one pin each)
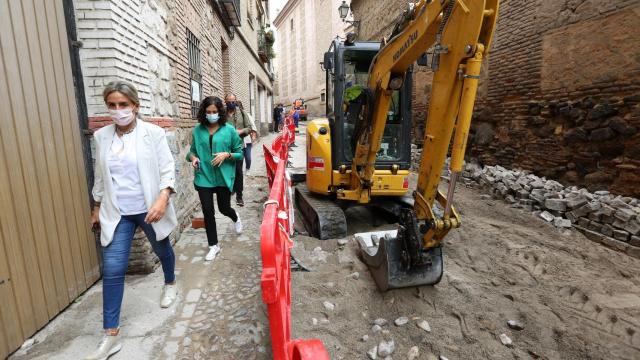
(195, 72)
(252, 94)
(291, 22)
(322, 97)
(353, 97)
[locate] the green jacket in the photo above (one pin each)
(225, 139)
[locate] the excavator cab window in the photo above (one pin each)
(346, 84)
(353, 100)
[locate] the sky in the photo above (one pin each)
(274, 7)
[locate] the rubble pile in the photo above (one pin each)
(614, 217)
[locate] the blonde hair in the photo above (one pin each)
(127, 89)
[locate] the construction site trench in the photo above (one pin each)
(514, 287)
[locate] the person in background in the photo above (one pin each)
(278, 112)
(248, 140)
(133, 183)
(238, 119)
(215, 150)
(295, 114)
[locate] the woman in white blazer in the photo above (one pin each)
(134, 178)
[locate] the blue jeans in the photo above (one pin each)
(115, 258)
(247, 155)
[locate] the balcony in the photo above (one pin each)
(230, 10)
(265, 45)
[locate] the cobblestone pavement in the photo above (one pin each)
(221, 315)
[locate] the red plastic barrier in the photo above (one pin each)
(275, 246)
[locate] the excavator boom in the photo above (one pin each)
(459, 33)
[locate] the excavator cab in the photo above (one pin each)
(331, 141)
(348, 101)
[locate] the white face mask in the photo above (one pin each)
(122, 117)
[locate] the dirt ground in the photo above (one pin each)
(575, 298)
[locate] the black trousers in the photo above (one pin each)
(238, 185)
(224, 205)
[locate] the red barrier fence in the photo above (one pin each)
(275, 243)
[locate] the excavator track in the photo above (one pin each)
(322, 217)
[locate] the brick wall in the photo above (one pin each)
(145, 42)
(559, 94)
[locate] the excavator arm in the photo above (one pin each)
(459, 33)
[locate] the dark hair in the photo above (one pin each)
(202, 111)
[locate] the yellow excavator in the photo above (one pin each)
(361, 153)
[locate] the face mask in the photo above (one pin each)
(231, 105)
(213, 118)
(122, 117)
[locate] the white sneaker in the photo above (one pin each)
(107, 347)
(213, 251)
(238, 225)
(169, 295)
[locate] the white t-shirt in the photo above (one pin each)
(123, 164)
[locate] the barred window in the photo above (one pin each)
(195, 72)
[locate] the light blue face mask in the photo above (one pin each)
(213, 118)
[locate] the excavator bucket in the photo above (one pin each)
(386, 257)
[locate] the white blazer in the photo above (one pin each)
(157, 171)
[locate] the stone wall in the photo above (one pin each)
(559, 92)
(145, 42)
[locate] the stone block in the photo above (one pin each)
(560, 222)
(537, 184)
(624, 214)
(547, 216)
(553, 185)
(538, 195)
(584, 222)
(614, 244)
(571, 217)
(632, 226)
(635, 241)
(587, 209)
(618, 224)
(621, 235)
(595, 216)
(522, 194)
(595, 226)
(633, 251)
(556, 204)
(577, 201)
(607, 230)
(514, 187)
(556, 213)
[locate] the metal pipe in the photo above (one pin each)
(450, 191)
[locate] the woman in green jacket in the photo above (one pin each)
(215, 148)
